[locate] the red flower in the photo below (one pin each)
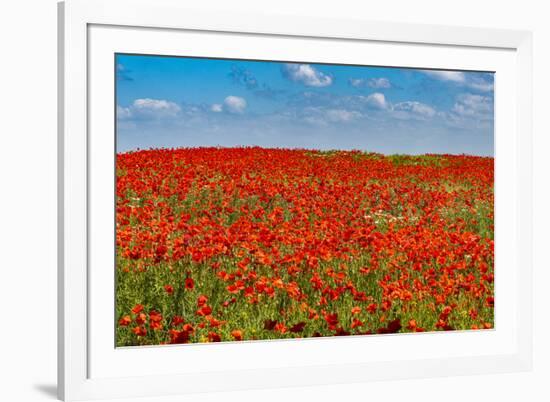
(204, 310)
(356, 323)
(189, 283)
(269, 324)
(342, 332)
(202, 300)
(280, 327)
(177, 320)
(169, 289)
(299, 327)
(237, 335)
(179, 336)
(125, 321)
(214, 322)
(155, 320)
(372, 307)
(331, 319)
(138, 308)
(392, 327)
(140, 331)
(355, 310)
(141, 318)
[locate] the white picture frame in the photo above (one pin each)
(91, 30)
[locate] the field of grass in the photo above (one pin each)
(229, 244)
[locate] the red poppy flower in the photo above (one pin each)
(179, 336)
(138, 308)
(139, 331)
(177, 320)
(280, 327)
(269, 324)
(141, 318)
(125, 321)
(331, 319)
(392, 327)
(204, 310)
(237, 335)
(155, 320)
(202, 300)
(412, 325)
(299, 327)
(356, 323)
(189, 283)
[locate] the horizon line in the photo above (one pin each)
(297, 149)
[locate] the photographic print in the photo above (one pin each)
(264, 200)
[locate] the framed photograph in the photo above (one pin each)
(252, 201)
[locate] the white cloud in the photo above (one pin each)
(377, 83)
(234, 104)
(147, 108)
(471, 80)
(455, 76)
(375, 100)
(413, 109)
(307, 75)
(357, 82)
(481, 85)
(472, 105)
(157, 107)
(216, 107)
(470, 110)
(123, 113)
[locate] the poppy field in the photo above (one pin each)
(248, 243)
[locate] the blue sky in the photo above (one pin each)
(186, 102)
